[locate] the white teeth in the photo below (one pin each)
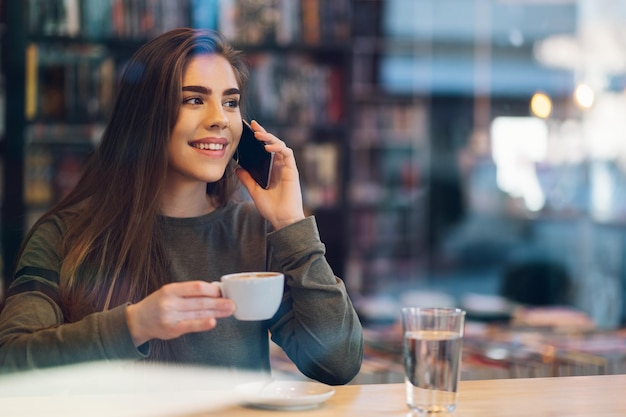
(209, 146)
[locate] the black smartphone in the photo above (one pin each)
(253, 157)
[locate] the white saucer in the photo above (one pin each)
(284, 395)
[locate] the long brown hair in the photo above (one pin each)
(112, 252)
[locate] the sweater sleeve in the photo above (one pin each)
(33, 332)
(316, 325)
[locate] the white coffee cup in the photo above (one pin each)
(257, 295)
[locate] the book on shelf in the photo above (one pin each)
(102, 19)
(50, 172)
(243, 21)
(294, 89)
(364, 25)
(53, 17)
(279, 22)
(95, 20)
(320, 170)
(63, 133)
(73, 82)
(400, 123)
(311, 21)
(326, 20)
(1, 179)
(67, 169)
(37, 177)
(205, 13)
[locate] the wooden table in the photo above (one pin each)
(104, 390)
(588, 396)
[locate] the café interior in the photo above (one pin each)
(525, 195)
(499, 188)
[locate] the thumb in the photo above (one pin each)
(246, 179)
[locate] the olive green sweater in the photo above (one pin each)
(316, 324)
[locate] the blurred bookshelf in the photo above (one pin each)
(66, 58)
(13, 45)
(3, 59)
(389, 164)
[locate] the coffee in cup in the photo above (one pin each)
(257, 295)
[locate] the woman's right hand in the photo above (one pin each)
(176, 309)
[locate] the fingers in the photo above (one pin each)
(197, 325)
(176, 309)
(198, 298)
(192, 314)
(256, 126)
(192, 289)
(272, 143)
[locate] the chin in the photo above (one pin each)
(213, 177)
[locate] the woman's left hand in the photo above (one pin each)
(281, 204)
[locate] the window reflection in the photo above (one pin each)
(524, 104)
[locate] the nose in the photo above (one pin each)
(215, 116)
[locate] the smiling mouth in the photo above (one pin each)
(208, 146)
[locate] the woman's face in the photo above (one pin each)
(208, 128)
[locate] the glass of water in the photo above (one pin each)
(433, 344)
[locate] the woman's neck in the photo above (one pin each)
(186, 202)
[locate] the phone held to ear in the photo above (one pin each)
(254, 158)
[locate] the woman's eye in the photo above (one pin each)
(234, 103)
(192, 100)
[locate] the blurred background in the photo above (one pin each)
(454, 152)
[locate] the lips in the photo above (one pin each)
(208, 146)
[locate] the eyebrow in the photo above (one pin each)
(206, 91)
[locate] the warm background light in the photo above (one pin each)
(584, 96)
(541, 105)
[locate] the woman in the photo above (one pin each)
(122, 267)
